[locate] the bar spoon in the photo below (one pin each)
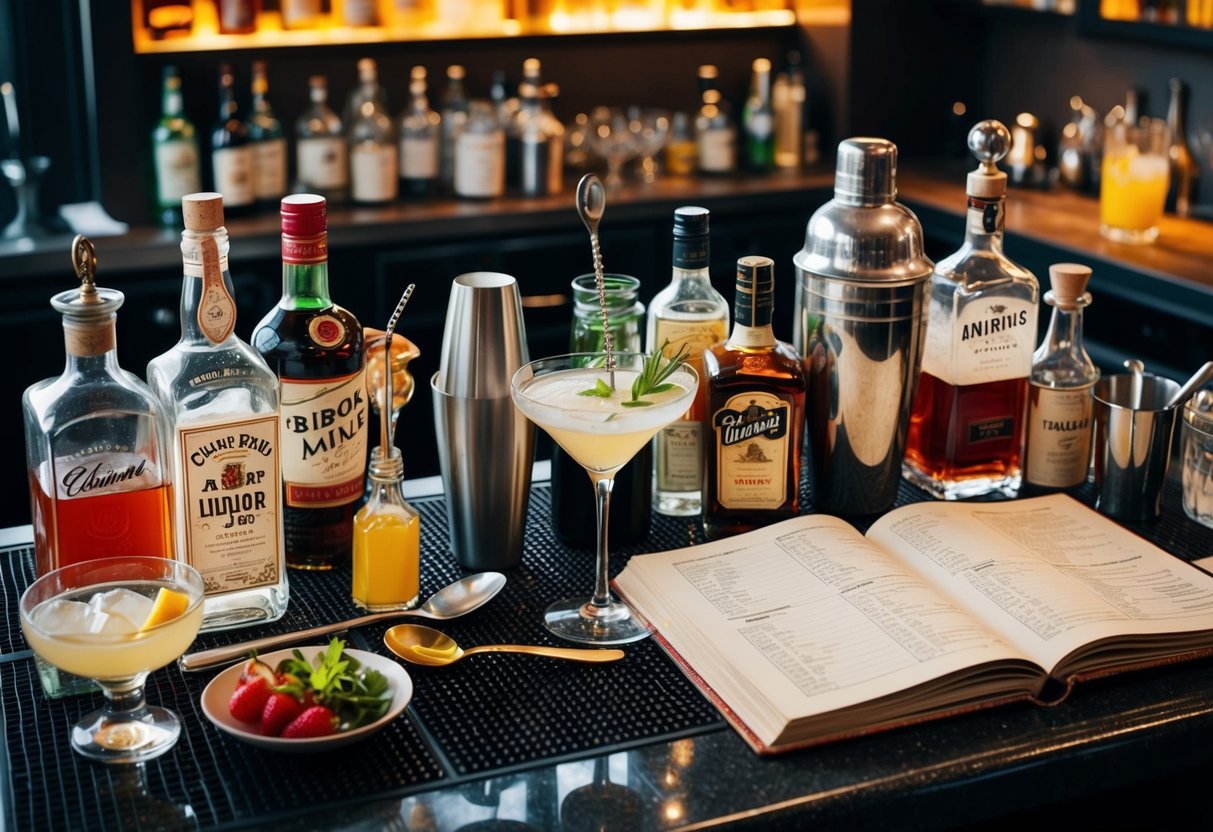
(453, 600)
(419, 644)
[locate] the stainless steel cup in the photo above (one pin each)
(485, 447)
(1133, 431)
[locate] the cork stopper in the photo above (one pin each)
(989, 141)
(202, 212)
(1069, 283)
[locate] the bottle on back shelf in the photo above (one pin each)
(788, 99)
(540, 144)
(1185, 170)
(758, 120)
(269, 143)
(755, 414)
(688, 312)
(968, 426)
(231, 150)
(420, 140)
(321, 157)
(316, 349)
(454, 113)
(174, 152)
(373, 150)
(681, 153)
(715, 133)
(528, 87)
(1059, 392)
(480, 154)
(221, 406)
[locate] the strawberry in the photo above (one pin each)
(280, 709)
(316, 721)
(256, 669)
(248, 700)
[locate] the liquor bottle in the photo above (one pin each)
(758, 119)
(358, 13)
(788, 102)
(320, 149)
(221, 406)
(175, 152)
(301, 14)
(269, 143)
(168, 18)
(540, 144)
(574, 518)
(528, 88)
(1184, 169)
(373, 150)
(95, 449)
(231, 151)
(681, 153)
(1059, 392)
(238, 17)
(715, 133)
(480, 154)
(967, 425)
(454, 113)
(420, 140)
(756, 397)
(686, 313)
(315, 348)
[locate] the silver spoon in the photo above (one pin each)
(591, 203)
(1202, 376)
(419, 644)
(452, 601)
(1134, 366)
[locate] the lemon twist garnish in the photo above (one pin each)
(168, 605)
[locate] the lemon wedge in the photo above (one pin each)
(168, 605)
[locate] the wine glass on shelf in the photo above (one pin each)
(596, 416)
(651, 127)
(611, 137)
(115, 620)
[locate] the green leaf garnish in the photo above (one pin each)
(600, 388)
(357, 695)
(649, 382)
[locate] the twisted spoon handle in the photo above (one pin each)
(575, 654)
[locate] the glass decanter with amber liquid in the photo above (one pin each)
(98, 467)
(968, 423)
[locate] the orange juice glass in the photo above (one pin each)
(1133, 183)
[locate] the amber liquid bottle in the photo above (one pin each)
(316, 349)
(756, 398)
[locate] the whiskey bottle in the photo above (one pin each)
(373, 150)
(1184, 168)
(221, 406)
(175, 152)
(269, 143)
(967, 425)
(689, 313)
(95, 449)
(454, 113)
(231, 151)
(420, 140)
(715, 133)
(1059, 392)
(756, 399)
(320, 151)
(316, 349)
(758, 118)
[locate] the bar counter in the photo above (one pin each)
(517, 743)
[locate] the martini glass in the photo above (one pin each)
(602, 434)
(92, 619)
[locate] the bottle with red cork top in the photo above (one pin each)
(316, 349)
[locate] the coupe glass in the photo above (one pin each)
(106, 641)
(610, 136)
(651, 129)
(602, 434)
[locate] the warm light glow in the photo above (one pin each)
(673, 810)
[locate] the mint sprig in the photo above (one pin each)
(650, 381)
(357, 695)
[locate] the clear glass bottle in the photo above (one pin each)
(967, 425)
(758, 118)
(387, 540)
(321, 157)
(174, 152)
(688, 312)
(573, 506)
(1059, 392)
(269, 143)
(715, 133)
(373, 150)
(517, 116)
(221, 411)
(1185, 171)
(316, 349)
(99, 472)
(788, 102)
(420, 140)
(540, 144)
(454, 113)
(755, 414)
(231, 150)
(480, 154)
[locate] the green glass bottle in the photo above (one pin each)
(174, 152)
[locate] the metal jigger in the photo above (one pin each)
(22, 176)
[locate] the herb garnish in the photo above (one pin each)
(650, 381)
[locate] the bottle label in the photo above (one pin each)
(269, 172)
(679, 463)
(326, 330)
(1059, 436)
(691, 252)
(216, 308)
(234, 175)
(752, 438)
(305, 251)
(323, 162)
(991, 339)
(107, 470)
(373, 172)
(419, 157)
(761, 126)
(717, 150)
(324, 440)
(480, 164)
(176, 172)
(230, 491)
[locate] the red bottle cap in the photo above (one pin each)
(304, 215)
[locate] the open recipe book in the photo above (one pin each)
(807, 631)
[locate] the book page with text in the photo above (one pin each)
(1048, 574)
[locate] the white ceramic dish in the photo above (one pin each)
(219, 691)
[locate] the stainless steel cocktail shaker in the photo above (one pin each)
(862, 280)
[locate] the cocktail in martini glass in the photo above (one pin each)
(601, 418)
